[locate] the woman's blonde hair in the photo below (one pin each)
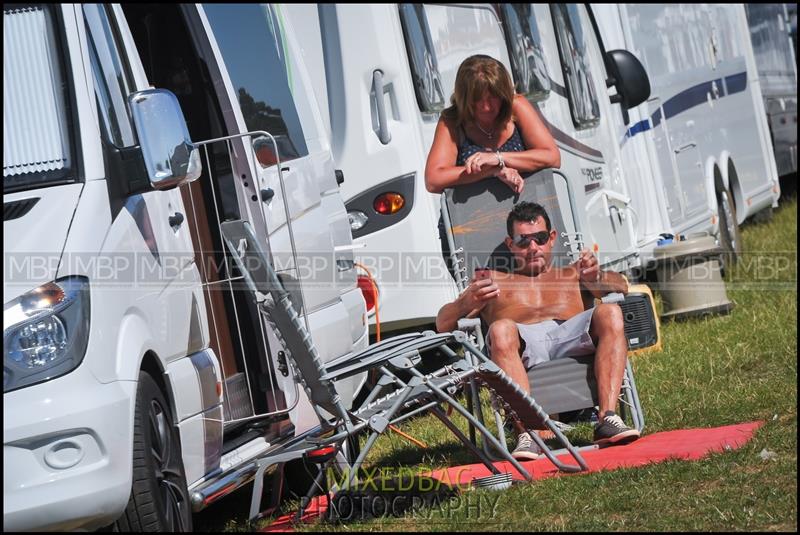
(476, 75)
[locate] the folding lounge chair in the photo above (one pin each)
(421, 393)
(474, 218)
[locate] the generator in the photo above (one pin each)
(642, 327)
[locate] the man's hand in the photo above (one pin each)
(481, 290)
(588, 267)
(477, 295)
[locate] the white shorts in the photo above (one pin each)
(552, 339)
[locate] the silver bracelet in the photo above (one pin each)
(500, 161)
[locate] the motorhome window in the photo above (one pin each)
(111, 83)
(524, 43)
(37, 125)
(572, 45)
(253, 48)
(422, 58)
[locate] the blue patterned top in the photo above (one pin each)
(469, 147)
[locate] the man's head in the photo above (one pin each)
(530, 238)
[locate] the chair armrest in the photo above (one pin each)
(613, 297)
(468, 324)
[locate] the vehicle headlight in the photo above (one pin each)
(45, 332)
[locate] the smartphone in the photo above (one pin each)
(482, 273)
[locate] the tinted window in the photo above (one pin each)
(422, 58)
(37, 127)
(572, 46)
(110, 81)
(250, 40)
(525, 51)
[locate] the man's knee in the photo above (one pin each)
(607, 320)
(504, 335)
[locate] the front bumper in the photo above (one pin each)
(67, 447)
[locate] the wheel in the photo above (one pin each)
(730, 240)
(159, 499)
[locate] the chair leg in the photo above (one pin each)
(305, 501)
(637, 405)
(573, 451)
(485, 459)
(486, 434)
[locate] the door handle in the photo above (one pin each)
(383, 122)
(176, 220)
(685, 147)
(267, 194)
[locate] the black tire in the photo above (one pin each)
(730, 239)
(159, 499)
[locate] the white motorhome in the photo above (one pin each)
(385, 72)
(701, 141)
(777, 70)
(139, 384)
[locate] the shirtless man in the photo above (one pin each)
(540, 313)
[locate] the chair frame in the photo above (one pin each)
(629, 397)
(423, 392)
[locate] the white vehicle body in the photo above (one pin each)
(703, 130)
(777, 69)
(366, 60)
(140, 297)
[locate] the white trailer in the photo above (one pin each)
(777, 69)
(139, 385)
(701, 141)
(385, 72)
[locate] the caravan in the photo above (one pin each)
(701, 141)
(385, 72)
(139, 382)
(777, 70)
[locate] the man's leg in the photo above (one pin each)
(505, 343)
(608, 333)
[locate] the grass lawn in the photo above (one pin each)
(713, 371)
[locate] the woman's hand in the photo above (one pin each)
(480, 160)
(511, 178)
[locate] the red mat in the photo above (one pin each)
(684, 444)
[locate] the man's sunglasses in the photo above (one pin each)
(524, 240)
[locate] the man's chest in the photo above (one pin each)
(554, 287)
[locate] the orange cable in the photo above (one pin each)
(409, 437)
(378, 339)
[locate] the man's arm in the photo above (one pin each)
(468, 305)
(606, 283)
(599, 283)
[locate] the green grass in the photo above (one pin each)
(713, 371)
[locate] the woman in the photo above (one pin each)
(488, 131)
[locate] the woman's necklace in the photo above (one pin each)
(489, 134)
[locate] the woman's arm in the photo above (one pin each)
(440, 171)
(543, 152)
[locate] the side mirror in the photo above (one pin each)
(633, 85)
(169, 155)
